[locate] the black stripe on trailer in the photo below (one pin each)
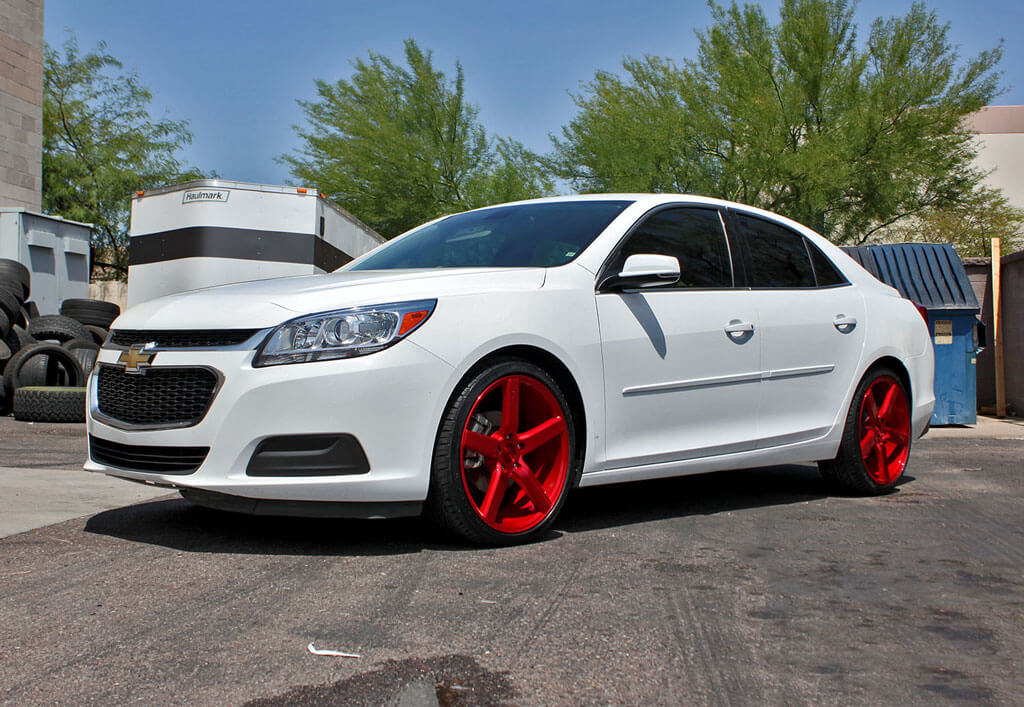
(238, 244)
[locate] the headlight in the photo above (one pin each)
(343, 333)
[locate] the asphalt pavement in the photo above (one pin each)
(730, 588)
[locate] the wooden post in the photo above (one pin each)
(997, 326)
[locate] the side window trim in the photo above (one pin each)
(810, 259)
(728, 249)
(737, 249)
(604, 272)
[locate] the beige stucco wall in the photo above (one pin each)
(1000, 141)
(1003, 155)
(21, 103)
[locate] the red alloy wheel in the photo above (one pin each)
(525, 461)
(884, 430)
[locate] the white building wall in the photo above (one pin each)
(1000, 141)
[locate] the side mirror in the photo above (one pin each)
(644, 270)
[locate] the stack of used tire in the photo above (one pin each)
(46, 359)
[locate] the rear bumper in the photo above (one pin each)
(922, 374)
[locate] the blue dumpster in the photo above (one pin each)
(932, 276)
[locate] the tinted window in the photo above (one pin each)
(778, 257)
(522, 235)
(825, 272)
(694, 236)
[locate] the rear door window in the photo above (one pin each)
(777, 256)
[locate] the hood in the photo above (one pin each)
(264, 303)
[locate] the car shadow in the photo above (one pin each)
(176, 524)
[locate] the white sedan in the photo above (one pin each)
(482, 365)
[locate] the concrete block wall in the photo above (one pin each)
(21, 103)
(110, 291)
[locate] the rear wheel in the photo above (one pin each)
(876, 438)
(505, 456)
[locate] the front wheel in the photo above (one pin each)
(876, 438)
(504, 455)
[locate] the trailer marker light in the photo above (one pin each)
(139, 193)
(301, 190)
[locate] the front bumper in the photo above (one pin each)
(389, 401)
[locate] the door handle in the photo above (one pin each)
(844, 324)
(740, 331)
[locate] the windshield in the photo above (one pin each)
(516, 236)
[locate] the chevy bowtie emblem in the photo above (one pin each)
(137, 358)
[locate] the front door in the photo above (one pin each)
(683, 362)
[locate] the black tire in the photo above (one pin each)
(99, 334)
(447, 501)
(86, 358)
(81, 344)
(11, 345)
(57, 328)
(48, 404)
(40, 370)
(13, 288)
(10, 305)
(5, 324)
(13, 271)
(21, 338)
(31, 310)
(75, 376)
(848, 472)
(5, 356)
(91, 311)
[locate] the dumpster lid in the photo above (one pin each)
(929, 274)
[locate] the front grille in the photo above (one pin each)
(161, 396)
(199, 338)
(164, 460)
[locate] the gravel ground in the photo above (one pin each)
(736, 587)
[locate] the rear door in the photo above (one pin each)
(812, 326)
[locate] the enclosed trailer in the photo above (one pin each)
(214, 232)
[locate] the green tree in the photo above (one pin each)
(969, 223)
(398, 145)
(798, 117)
(100, 144)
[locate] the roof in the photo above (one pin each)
(227, 184)
(929, 274)
(37, 214)
(992, 120)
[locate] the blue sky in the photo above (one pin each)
(234, 69)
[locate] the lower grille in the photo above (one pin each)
(174, 397)
(163, 460)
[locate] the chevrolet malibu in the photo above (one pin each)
(480, 366)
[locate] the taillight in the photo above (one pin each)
(923, 312)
